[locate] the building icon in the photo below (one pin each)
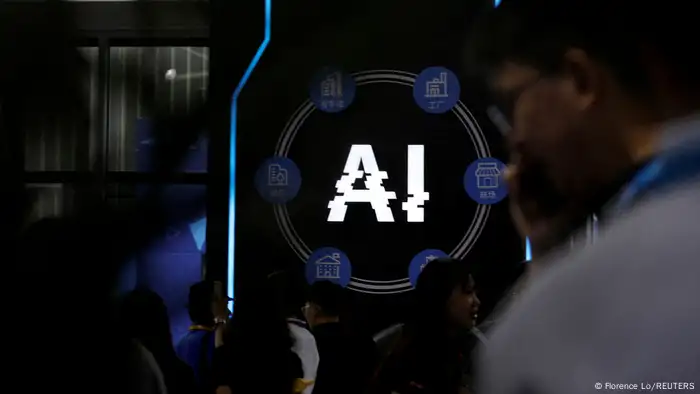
(437, 87)
(487, 175)
(328, 267)
(332, 86)
(277, 176)
(428, 259)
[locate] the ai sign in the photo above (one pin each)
(374, 193)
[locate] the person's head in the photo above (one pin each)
(203, 301)
(584, 84)
(445, 297)
(324, 303)
(258, 338)
(290, 288)
(143, 316)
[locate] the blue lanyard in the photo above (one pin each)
(672, 168)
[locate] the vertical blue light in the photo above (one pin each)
(496, 3)
(528, 250)
(232, 154)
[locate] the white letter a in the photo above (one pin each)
(373, 193)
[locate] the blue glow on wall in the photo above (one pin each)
(232, 171)
(496, 3)
(199, 233)
(174, 261)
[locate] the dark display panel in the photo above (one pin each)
(279, 114)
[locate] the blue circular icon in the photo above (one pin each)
(420, 261)
(332, 90)
(329, 264)
(436, 90)
(484, 181)
(278, 180)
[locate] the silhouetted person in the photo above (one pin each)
(347, 361)
(144, 375)
(433, 355)
(144, 317)
(257, 355)
(196, 348)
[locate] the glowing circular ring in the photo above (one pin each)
(292, 128)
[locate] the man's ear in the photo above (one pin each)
(586, 76)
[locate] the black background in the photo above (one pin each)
(367, 36)
(386, 117)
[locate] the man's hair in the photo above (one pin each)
(200, 298)
(289, 288)
(620, 33)
(434, 288)
(328, 296)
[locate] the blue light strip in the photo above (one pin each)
(528, 250)
(496, 3)
(232, 157)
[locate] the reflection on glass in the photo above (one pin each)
(174, 261)
(180, 75)
(50, 200)
(65, 146)
(528, 250)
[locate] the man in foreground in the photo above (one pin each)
(604, 102)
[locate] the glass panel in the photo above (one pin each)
(50, 200)
(181, 76)
(61, 146)
(172, 263)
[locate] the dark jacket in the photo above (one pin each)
(347, 362)
(427, 366)
(196, 349)
(256, 373)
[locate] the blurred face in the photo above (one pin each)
(463, 305)
(565, 140)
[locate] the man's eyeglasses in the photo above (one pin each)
(502, 114)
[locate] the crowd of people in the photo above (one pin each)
(294, 341)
